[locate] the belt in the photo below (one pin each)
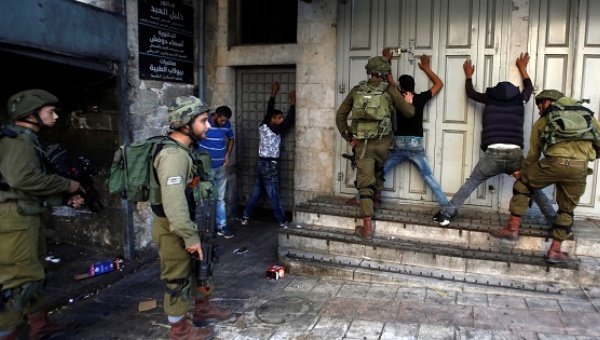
(504, 151)
(568, 162)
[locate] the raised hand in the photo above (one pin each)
(468, 68)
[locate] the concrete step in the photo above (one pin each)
(408, 242)
(494, 262)
(377, 272)
(471, 226)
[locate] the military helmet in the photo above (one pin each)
(553, 95)
(184, 109)
(378, 65)
(22, 104)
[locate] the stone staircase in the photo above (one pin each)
(409, 245)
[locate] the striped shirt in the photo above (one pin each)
(216, 142)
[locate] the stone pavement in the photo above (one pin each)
(302, 307)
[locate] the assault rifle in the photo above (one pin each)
(351, 158)
(205, 220)
(82, 171)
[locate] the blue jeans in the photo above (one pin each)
(219, 175)
(493, 163)
(267, 177)
(410, 148)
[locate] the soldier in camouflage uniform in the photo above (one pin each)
(26, 191)
(173, 231)
(372, 152)
(565, 164)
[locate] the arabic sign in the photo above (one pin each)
(166, 41)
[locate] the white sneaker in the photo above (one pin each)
(442, 219)
(245, 220)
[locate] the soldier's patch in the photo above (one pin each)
(174, 180)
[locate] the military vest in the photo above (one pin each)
(371, 111)
(568, 120)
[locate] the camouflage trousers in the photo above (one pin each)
(176, 266)
(371, 154)
(570, 185)
(22, 248)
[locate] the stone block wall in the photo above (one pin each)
(148, 101)
(315, 58)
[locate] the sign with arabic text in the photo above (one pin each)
(166, 40)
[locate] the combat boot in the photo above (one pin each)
(183, 330)
(10, 336)
(510, 231)
(205, 312)
(41, 327)
(366, 231)
(555, 255)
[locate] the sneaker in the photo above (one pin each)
(283, 225)
(245, 220)
(442, 219)
(225, 232)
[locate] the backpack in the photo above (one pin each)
(133, 176)
(371, 111)
(568, 120)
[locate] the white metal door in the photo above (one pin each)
(565, 36)
(450, 32)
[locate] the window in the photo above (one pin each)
(265, 21)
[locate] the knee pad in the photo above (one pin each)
(565, 218)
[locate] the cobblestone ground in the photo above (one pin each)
(299, 307)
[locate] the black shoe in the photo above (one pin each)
(225, 232)
(442, 219)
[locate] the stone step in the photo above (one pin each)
(498, 262)
(470, 227)
(370, 271)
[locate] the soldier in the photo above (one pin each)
(565, 165)
(408, 137)
(175, 234)
(26, 191)
(372, 105)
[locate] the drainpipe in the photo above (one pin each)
(201, 29)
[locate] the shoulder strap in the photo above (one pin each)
(161, 142)
(8, 132)
(383, 86)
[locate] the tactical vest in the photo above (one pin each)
(371, 111)
(200, 189)
(568, 120)
(206, 188)
(27, 205)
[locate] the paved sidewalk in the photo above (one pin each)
(298, 307)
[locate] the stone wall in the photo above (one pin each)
(147, 112)
(315, 58)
